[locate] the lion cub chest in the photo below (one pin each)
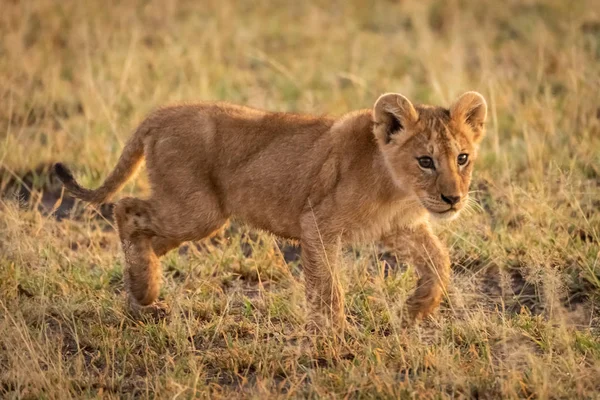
(381, 220)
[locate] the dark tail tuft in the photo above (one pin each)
(64, 174)
(73, 188)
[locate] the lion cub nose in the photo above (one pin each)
(452, 200)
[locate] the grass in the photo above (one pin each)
(521, 319)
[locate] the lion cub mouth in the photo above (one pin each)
(446, 215)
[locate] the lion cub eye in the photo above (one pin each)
(425, 162)
(462, 159)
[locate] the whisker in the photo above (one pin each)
(478, 206)
(475, 204)
(468, 210)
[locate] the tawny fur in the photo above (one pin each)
(319, 180)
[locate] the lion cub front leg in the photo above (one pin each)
(324, 297)
(420, 246)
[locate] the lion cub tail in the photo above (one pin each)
(128, 163)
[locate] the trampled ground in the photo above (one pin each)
(521, 318)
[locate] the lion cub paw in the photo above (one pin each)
(156, 311)
(417, 312)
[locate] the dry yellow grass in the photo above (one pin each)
(521, 318)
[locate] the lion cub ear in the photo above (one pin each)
(471, 108)
(392, 113)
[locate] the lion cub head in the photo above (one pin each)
(429, 150)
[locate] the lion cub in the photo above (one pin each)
(375, 174)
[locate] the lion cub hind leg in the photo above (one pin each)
(150, 228)
(161, 244)
(142, 273)
(143, 278)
